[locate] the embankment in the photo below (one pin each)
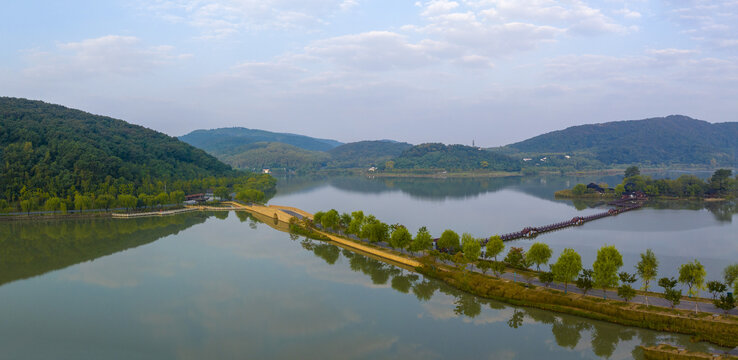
(722, 331)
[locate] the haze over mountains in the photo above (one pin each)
(56, 147)
(674, 139)
(671, 140)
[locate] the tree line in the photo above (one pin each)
(112, 194)
(720, 184)
(567, 269)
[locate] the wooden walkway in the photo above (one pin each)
(621, 206)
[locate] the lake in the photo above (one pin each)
(224, 285)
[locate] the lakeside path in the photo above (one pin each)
(383, 250)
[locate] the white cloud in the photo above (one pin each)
(627, 13)
(224, 18)
(371, 51)
(436, 7)
(107, 55)
(711, 23)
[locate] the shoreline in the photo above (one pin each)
(703, 326)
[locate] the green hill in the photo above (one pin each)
(265, 155)
(454, 158)
(673, 139)
(52, 151)
(231, 141)
(366, 153)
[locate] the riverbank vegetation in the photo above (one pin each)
(464, 261)
(721, 185)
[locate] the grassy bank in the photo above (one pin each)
(720, 330)
(668, 352)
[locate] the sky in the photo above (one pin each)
(489, 71)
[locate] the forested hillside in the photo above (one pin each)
(673, 139)
(231, 141)
(50, 151)
(453, 158)
(365, 153)
(266, 155)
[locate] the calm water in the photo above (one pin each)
(678, 232)
(224, 285)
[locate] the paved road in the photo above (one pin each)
(639, 299)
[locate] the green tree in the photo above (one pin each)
(670, 294)
(345, 220)
(720, 180)
(730, 275)
(647, 269)
(625, 290)
(619, 189)
(725, 302)
(494, 247)
(449, 240)
(579, 189)
(715, 288)
(422, 240)
(567, 267)
(539, 253)
(161, 199)
(250, 196)
(515, 257)
(606, 268)
(546, 277)
(484, 265)
(105, 201)
(330, 220)
(692, 275)
(222, 193)
(497, 268)
(53, 204)
(176, 197)
(584, 281)
(471, 247)
(82, 202)
(357, 221)
(127, 201)
(375, 230)
(400, 238)
(632, 171)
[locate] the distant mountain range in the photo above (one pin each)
(670, 140)
(235, 139)
(256, 149)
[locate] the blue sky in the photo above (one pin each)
(493, 71)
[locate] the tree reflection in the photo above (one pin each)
(467, 305)
(516, 320)
(425, 289)
(568, 331)
(31, 249)
(329, 253)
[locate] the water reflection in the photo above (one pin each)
(569, 332)
(440, 189)
(31, 249)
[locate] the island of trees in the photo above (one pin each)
(721, 185)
